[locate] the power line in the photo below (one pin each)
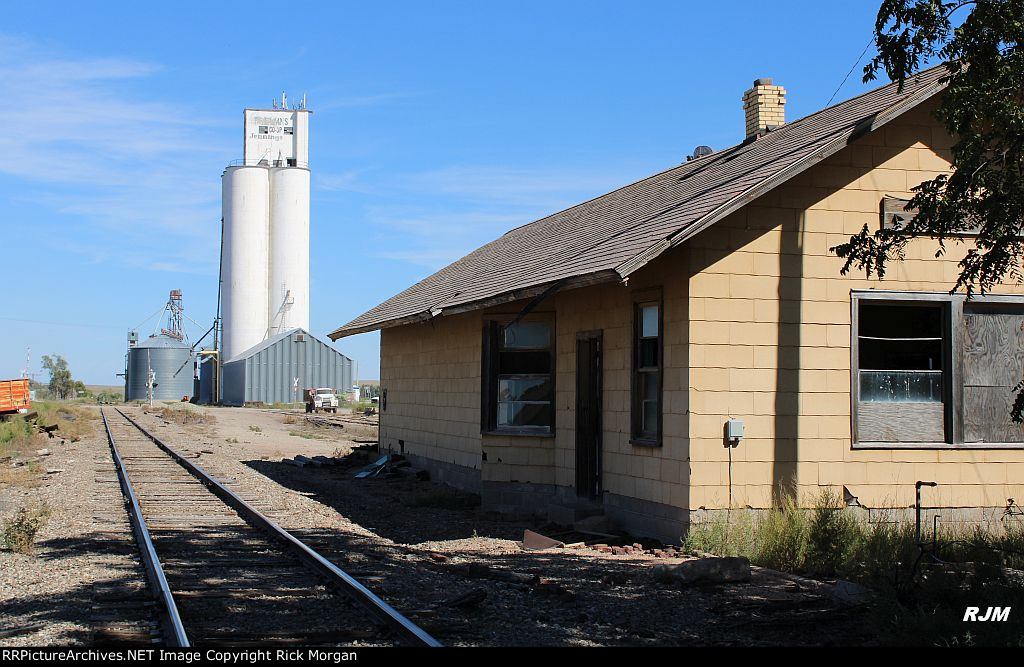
(846, 78)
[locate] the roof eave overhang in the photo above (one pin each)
(866, 126)
(531, 292)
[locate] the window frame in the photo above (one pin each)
(490, 372)
(640, 299)
(953, 319)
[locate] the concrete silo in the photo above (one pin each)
(245, 266)
(265, 259)
(289, 250)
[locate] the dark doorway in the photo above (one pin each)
(588, 415)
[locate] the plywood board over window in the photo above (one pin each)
(993, 364)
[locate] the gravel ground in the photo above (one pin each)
(462, 574)
(55, 586)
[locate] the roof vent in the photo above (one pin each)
(699, 152)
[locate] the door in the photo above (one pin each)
(588, 415)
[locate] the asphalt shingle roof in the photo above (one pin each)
(613, 235)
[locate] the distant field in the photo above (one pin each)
(109, 388)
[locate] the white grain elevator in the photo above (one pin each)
(265, 257)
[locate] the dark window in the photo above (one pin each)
(518, 378)
(901, 353)
(647, 371)
(902, 371)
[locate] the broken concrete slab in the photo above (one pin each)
(705, 570)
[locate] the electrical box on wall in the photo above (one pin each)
(734, 429)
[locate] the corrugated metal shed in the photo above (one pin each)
(279, 368)
(610, 237)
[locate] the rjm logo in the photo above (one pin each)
(992, 614)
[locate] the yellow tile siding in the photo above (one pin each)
(432, 375)
(763, 282)
(756, 326)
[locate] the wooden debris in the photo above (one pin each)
(467, 600)
(23, 630)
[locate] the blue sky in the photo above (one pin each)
(436, 127)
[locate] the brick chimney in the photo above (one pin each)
(764, 106)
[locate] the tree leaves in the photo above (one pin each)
(983, 109)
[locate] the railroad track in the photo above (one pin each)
(223, 573)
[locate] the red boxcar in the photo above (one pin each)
(13, 396)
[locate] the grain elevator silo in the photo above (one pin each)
(166, 357)
(265, 260)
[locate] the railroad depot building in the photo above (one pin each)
(593, 359)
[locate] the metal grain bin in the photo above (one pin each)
(172, 363)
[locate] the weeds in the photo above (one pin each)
(919, 600)
(19, 532)
(255, 429)
(15, 434)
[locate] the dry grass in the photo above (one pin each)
(73, 420)
(307, 436)
(20, 439)
(185, 416)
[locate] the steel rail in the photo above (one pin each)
(384, 612)
(174, 629)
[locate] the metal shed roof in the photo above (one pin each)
(610, 237)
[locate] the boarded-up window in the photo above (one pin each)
(936, 369)
(895, 213)
(993, 364)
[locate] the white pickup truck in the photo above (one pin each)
(322, 398)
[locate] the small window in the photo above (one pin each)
(264, 129)
(292, 162)
(647, 372)
(519, 380)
